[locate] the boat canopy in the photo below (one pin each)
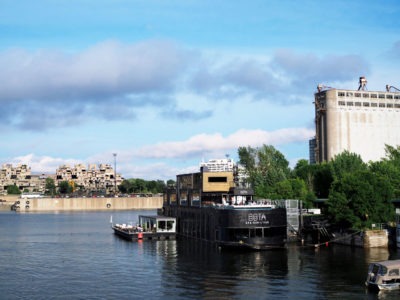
(157, 223)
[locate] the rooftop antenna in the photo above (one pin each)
(363, 83)
(389, 87)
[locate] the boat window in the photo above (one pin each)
(172, 199)
(256, 232)
(237, 234)
(379, 269)
(161, 225)
(394, 272)
(170, 225)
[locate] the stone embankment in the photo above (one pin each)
(364, 239)
(76, 204)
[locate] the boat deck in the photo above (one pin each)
(136, 236)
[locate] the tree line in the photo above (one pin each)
(358, 194)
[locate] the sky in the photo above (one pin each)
(167, 84)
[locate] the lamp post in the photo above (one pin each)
(115, 173)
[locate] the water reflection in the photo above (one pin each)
(376, 254)
(77, 256)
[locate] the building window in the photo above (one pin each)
(218, 179)
(374, 96)
(342, 103)
(389, 105)
(366, 104)
(341, 94)
(381, 96)
(357, 95)
(365, 95)
(357, 104)
(350, 103)
(373, 104)
(389, 96)
(381, 104)
(397, 105)
(349, 94)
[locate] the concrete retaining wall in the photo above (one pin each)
(365, 239)
(74, 204)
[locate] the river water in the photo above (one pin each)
(75, 255)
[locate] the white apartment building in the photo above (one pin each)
(218, 165)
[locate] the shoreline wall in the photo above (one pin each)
(365, 239)
(76, 204)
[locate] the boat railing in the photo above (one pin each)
(265, 204)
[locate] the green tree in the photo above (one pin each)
(265, 167)
(13, 190)
(392, 154)
(389, 167)
(50, 186)
(305, 171)
(282, 190)
(361, 198)
(64, 187)
(293, 188)
(171, 182)
(391, 172)
(136, 185)
(346, 162)
(155, 186)
(323, 179)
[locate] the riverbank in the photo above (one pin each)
(77, 204)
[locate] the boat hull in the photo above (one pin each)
(384, 275)
(245, 228)
(136, 236)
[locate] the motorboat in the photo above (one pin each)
(384, 275)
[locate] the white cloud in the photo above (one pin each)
(43, 164)
(211, 143)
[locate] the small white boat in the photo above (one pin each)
(148, 228)
(384, 275)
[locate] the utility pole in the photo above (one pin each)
(115, 173)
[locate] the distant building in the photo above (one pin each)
(358, 121)
(218, 165)
(21, 177)
(92, 178)
(89, 179)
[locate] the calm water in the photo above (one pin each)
(77, 256)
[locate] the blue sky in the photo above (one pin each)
(166, 84)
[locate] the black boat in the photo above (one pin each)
(211, 206)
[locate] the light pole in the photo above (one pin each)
(115, 173)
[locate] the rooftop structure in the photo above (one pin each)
(218, 165)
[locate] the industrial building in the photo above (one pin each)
(359, 121)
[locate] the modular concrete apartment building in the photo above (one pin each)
(359, 121)
(92, 178)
